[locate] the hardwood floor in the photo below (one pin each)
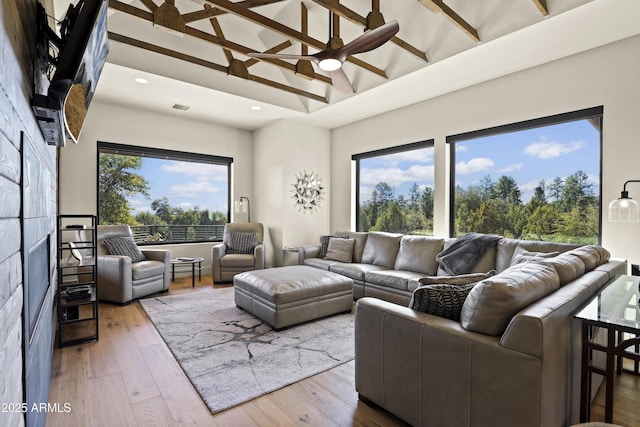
(130, 378)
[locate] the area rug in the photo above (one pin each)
(232, 357)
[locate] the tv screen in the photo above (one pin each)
(82, 54)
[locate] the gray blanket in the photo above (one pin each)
(465, 252)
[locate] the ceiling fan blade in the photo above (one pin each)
(340, 81)
(280, 56)
(370, 40)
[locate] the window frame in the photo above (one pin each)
(427, 143)
(161, 153)
(584, 114)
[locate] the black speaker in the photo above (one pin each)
(635, 270)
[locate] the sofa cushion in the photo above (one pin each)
(418, 253)
(462, 279)
(397, 279)
(237, 260)
(381, 249)
(568, 266)
(592, 256)
(145, 269)
(323, 264)
(124, 246)
(523, 255)
(441, 300)
(492, 303)
(240, 242)
(340, 249)
(506, 248)
(360, 240)
(355, 271)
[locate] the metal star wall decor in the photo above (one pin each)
(308, 191)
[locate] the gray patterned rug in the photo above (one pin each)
(232, 357)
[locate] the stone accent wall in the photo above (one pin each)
(17, 36)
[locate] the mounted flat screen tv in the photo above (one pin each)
(82, 52)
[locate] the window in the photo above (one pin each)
(165, 196)
(395, 189)
(535, 180)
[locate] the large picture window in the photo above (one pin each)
(535, 180)
(395, 189)
(165, 196)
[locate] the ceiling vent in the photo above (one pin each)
(180, 107)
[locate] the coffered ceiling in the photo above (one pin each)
(195, 53)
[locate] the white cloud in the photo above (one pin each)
(193, 189)
(199, 171)
(423, 155)
(461, 148)
(512, 168)
(396, 176)
(478, 164)
(550, 149)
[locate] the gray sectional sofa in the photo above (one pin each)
(513, 357)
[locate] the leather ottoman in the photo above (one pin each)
(285, 296)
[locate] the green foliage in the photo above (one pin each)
(116, 182)
(562, 211)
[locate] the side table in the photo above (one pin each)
(615, 311)
(181, 261)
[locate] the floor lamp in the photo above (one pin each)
(244, 206)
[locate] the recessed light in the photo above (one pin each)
(141, 80)
(256, 107)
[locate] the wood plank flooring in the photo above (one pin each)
(130, 378)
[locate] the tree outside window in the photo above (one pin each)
(536, 180)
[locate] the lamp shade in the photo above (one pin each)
(624, 208)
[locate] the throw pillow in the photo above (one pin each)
(462, 279)
(241, 243)
(521, 255)
(324, 243)
(124, 246)
(340, 249)
(441, 300)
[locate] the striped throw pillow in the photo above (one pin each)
(241, 243)
(124, 246)
(441, 300)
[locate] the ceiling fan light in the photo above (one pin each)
(329, 64)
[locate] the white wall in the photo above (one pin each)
(116, 124)
(607, 76)
(283, 150)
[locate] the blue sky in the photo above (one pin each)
(527, 156)
(187, 185)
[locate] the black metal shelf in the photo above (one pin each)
(77, 318)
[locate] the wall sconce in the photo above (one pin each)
(624, 208)
(243, 206)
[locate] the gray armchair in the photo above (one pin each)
(120, 280)
(225, 265)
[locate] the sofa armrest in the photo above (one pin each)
(217, 252)
(259, 256)
(164, 256)
(311, 251)
(114, 278)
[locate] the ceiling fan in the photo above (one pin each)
(331, 60)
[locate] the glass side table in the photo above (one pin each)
(614, 310)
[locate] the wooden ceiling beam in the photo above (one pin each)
(211, 65)
(149, 4)
(437, 6)
(542, 6)
(206, 14)
(352, 16)
(207, 37)
(286, 31)
(277, 48)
